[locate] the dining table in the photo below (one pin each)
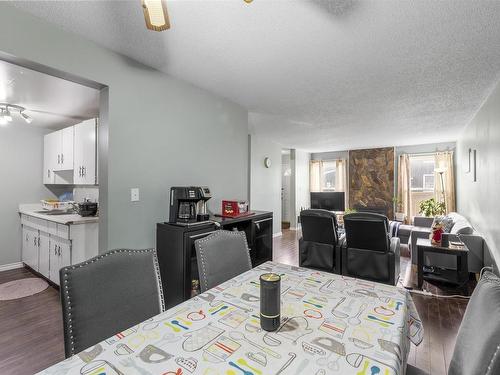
(330, 324)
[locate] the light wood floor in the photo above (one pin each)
(32, 334)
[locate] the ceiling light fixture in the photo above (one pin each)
(155, 14)
(6, 110)
(6, 115)
(26, 117)
(3, 120)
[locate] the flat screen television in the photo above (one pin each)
(331, 200)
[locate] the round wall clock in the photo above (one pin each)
(267, 162)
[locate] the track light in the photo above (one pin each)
(6, 115)
(3, 120)
(6, 110)
(26, 118)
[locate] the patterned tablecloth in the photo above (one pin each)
(330, 325)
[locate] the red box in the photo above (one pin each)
(235, 208)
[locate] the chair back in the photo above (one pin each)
(221, 256)
(108, 294)
(367, 230)
(477, 349)
(319, 226)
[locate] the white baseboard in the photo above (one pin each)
(279, 234)
(11, 266)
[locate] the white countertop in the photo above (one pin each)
(66, 219)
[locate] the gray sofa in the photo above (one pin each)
(421, 229)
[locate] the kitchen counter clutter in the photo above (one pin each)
(36, 210)
(53, 241)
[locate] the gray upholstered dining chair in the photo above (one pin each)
(108, 294)
(477, 349)
(221, 256)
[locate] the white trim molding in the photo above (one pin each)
(279, 234)
(11, 266)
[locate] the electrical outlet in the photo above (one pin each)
(134, 195)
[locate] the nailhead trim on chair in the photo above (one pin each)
(93, 260)
(214, 235)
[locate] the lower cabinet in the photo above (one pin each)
(30, 247)
(47, 246)
(43, 254)
(59, 257)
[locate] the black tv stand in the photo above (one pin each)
(177, 255)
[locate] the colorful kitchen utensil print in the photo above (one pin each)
(221, 349)
(153, 354)
(91, 353)
(198, 339)
(100, 367)
(233, 319)
(189, 364)
(334, 327)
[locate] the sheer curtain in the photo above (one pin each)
(404, 196)
(316, 179)
(444, 166)
(315, 167)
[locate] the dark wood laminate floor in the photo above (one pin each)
(31, 329)
(32, 336)
(441, 317)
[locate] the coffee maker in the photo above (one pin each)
(188, 205)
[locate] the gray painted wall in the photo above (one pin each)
(162, 131)
(265, 183)
(21, 166)
(478, 201)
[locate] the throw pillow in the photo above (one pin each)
(446, 222)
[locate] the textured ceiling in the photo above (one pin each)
(317, 75)
(52, 102)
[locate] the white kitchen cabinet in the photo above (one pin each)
(67, 144)
(50, 152)
(48, 246)
(59, 257)
(30, 247)
(63, 149)
(85, 151)
(43, 253)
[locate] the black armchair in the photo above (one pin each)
(369, 253)
(319, 246)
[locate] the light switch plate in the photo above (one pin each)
(134, 195)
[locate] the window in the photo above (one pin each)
(421, 181)
(422, 173)
(329, 174)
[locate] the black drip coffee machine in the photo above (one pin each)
(188, 205)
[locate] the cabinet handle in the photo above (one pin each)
(38, 241)
(34, 241)
(261, 221)
(81, 171)
(59, 252)
(84, 171)
(55, 249)
(48, 173)
(58, 159)
(62, 158)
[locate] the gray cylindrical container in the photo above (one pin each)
(270, 304)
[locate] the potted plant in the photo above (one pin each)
(399, 214)
(432, 208)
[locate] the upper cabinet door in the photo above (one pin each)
(49, 157)
(84, 172)
(66, 158)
